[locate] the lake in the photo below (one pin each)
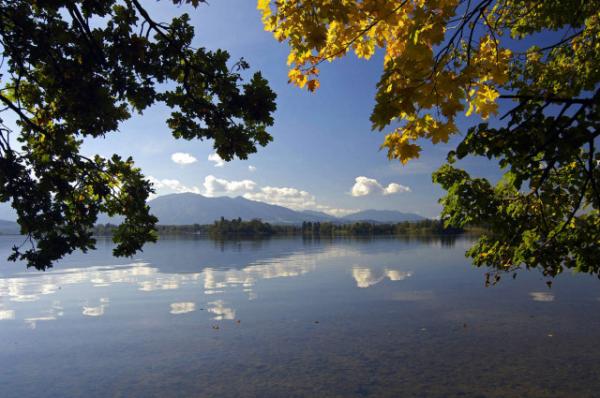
(385, 317)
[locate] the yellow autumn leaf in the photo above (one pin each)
(420, 89)
(263, 5)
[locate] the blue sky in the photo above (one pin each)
(322, 141)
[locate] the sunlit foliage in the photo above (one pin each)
(77, 69)
(447, 58)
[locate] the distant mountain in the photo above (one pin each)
(382, 216)
(9, 228)
(319, 215)
(190, 208)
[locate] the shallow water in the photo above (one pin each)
(293, 318)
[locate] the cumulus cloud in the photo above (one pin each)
(295, 199)
(214, 186)
(214, 157)
(289, 197)
(252, 168)
(284, 196)
(183, 158)
(364, 186)
(167, 185)
(395, 188)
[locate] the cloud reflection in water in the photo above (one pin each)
(366, 277)
(96, 311)
(182, 308)
(221, 312)
(542, 296)
(7, 314)
(30, 293)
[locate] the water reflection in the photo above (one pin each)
(32, 322)
(33, 286)
(220, 311)
(93, 285)
(52, 314)
(98, 310)
(7, 314)
(180, 321)
(415, 295)
(542, 296)
(365, 277)
(446, 241)
(182, 308)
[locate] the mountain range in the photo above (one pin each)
(191, 208)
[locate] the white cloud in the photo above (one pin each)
(295, 199)
(283, 196)
(214, 186)
(395, 188)
(214, 157)
(365, 186)
(167, 185)
(251, 168)
(292, 198)
(183, 158)
(333, 211)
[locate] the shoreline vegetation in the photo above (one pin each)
(238, 228)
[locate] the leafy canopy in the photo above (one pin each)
(75, 70)
(445, 58)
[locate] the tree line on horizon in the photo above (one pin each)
(256, 228)
(78, 70)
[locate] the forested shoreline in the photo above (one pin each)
(237, 228)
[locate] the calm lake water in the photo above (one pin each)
(293, 318)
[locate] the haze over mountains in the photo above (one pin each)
(191, 208)
(9, 227)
